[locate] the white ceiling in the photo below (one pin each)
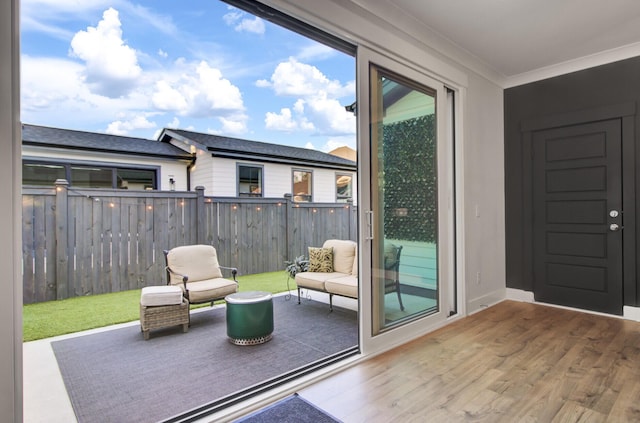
(516, 37)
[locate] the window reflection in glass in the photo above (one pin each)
(302, 186)
(249, 181)
(343, 188)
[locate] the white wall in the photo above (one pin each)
(10, 224)
(167, 167)
(481, 158)
(484, 229)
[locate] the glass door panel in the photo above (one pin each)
(404, 199)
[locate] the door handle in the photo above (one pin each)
(614, 227)
(369, 229)
(614, 213)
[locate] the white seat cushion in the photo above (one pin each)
(346, 286)
(160, 295)
(203, 291)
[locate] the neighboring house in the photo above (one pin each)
(233, 167)
(94, 160)
(182, 160)
(345, 152)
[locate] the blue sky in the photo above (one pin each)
(135, 67)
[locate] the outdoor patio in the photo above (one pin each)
(45, 394)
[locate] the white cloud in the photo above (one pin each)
(244, 22)
(175, 123)
(330, 116)
(54, 93)
(111, 66)
(120, 127)
(315, 51)
(168, 98)
(233, 126)
(280, 121)
(163, 53)
(255, 25)
(37, 91)
(199, 91)
(317, 107)
(293, 78)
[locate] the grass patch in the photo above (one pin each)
(53, 318)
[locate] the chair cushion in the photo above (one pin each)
(206, 290)
(198, 262)
(346, 286)
(160, 295)
(354, 270)
(321, 259)
(344, 252)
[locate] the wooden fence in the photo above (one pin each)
(92, 241)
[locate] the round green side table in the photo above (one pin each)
(249, 317)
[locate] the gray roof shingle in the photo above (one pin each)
(92, 141)
(236, 147)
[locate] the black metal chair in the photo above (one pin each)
(392, 270)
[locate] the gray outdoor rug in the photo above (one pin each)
(293, 409)
(117, 376)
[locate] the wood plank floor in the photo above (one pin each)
(513, 362)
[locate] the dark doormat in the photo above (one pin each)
(117, 376)
(293, 409)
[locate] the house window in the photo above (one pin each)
(42, 174)
(344, 187)
(249, 181)
(36, 173)
(302, 186)
(91, 177)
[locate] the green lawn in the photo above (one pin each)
(52, 318)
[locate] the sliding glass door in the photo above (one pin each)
(408, 227)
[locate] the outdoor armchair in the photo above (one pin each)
(196, 270)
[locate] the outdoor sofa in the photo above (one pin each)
(333, 269)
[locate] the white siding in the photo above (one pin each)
(202, 173)
(277, 179)
(324, 185)
(224, 176)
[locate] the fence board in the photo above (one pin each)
(98, 241)
(28, 248)
(96, 247)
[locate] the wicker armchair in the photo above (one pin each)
(196, 270)
(392, 270)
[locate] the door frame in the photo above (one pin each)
(626, 112)
(448, 215)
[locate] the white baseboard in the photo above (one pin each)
(628, 312)
(520, 295)
(487, 300)
(631, 313)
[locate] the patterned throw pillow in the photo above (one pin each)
(321, 259)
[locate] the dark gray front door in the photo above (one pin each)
(577, 200)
